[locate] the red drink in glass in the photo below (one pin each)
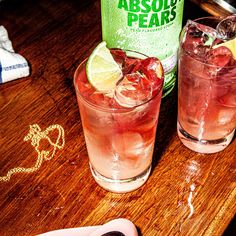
(119, 131)
(206, 89)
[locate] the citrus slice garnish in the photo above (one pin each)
(231, 45)
(102, 70)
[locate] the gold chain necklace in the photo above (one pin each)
(35, 135)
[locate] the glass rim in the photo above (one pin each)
(110, 109)
(195, 58)
(209, 17)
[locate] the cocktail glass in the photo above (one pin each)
(206, 88)
(119, 138)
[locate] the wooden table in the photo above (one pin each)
(215, 7)
(186, 194)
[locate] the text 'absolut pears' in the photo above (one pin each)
(149, 13)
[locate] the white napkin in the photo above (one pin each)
(12, 65)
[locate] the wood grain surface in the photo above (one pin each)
(212, 7)
(186, 194)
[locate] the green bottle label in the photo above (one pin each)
(151, 27)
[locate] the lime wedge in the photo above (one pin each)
(102, 70)
(231, 45)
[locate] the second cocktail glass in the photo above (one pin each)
(207, 86)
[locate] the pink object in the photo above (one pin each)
(121, 226)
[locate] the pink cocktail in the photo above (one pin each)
(120, 127)
(207, 87)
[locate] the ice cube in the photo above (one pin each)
(141, 84)
(226, 116)
(131, 65)
(197, 37)
(119, 56)
(200, 51)
(153, 70)
(133, 90)
(190, 66)
(226, 29)
(128, 144)
(229, 100)
(220, 57)
(217, 60)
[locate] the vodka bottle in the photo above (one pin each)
(151, 27)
